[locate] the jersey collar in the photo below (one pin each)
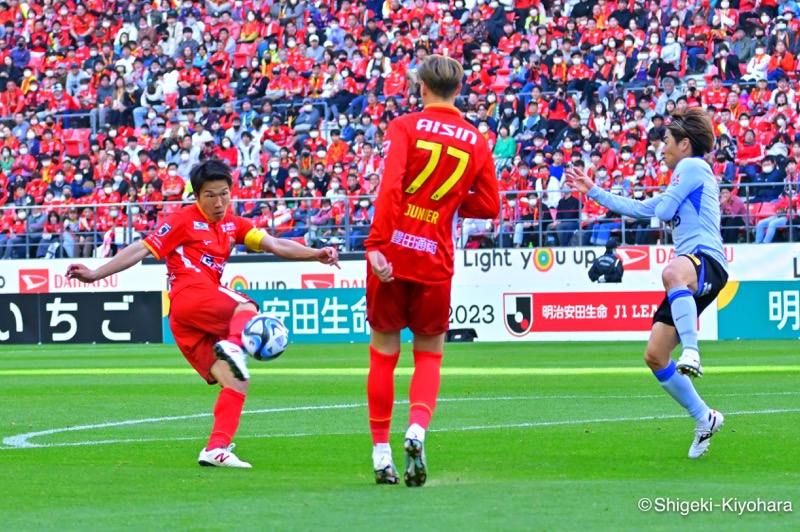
(197, 206)
(442, 107)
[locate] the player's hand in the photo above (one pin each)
(81, 273)
(380, 266)
(329, 256)
(578, 180)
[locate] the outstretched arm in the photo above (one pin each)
(126, 258)
(648, 208)
(289, 249)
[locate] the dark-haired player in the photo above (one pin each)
(434, 159)
(697, 273)
(207, 318)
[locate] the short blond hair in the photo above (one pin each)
(442, 75)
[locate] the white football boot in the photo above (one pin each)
(385, 471)
(234, 356)
(222, 457)
(702, 434)
(689, 364)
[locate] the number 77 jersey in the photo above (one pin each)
(436, 165)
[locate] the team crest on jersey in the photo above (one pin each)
(201, 226)
(163, 230)
(229, 227)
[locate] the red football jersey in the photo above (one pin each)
(433, 159)
(196, 249)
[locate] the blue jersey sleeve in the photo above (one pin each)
(625, 206)
(684, 182)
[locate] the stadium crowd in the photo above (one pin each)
(113, 102)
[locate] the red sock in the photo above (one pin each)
(236, 326)
(424, 387)
(227, 412)
(380, 393)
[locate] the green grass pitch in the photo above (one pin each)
(544, 436)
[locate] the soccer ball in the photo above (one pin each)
(265, 337)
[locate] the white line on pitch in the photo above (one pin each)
(21, 441)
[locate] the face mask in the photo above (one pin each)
(556, 60)
(759, 51)
(173, 173)
(251, 17)
(602, 172)
(23, 151)
(485, 50)
(508, 111)
(626, 156)
(345, 73)
(60, 178)
(313, 134)
(654, 39)
(577, 61)
(45, 163)
(78, 178)
(567, 145)
(628, 44)
(364, 204)
(248, 182)
(273, 46)
(653, 55)
(674, 23)
(476, 69)
(112, 134)
(335, 186)
(619, 106)
(491, 98)
(524, 172)
(664, 169)
(108, 190)
(274, 165)
(49, 73)
(184, 157)
(724, 5)
(744, 123)
(459, 5)
(587, 147)
(781, 122)
(538, 159)
(113, 214)
(22, 215)
(639, 173)
(311, 185)
(321, 154)
(670, 40)
(118, 179)
(765, 20)
(538, 142)
(615, 128)
(291, 44)
(343, 122)
(766, 169)
(483, 128)
(620, 59)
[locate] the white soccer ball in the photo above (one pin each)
(265, 337)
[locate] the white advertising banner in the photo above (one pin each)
(504, 294)
(533, 270)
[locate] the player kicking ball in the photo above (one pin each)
(694, 278)
(207, 318)
(433, 159)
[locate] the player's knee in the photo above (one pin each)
(655, 358)
(672, 276)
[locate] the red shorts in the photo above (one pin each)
(423, 308)
(199, 317)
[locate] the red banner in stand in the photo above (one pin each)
(595, 311)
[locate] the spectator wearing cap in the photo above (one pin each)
(74, 78)
(308, 118)
(20, 55)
